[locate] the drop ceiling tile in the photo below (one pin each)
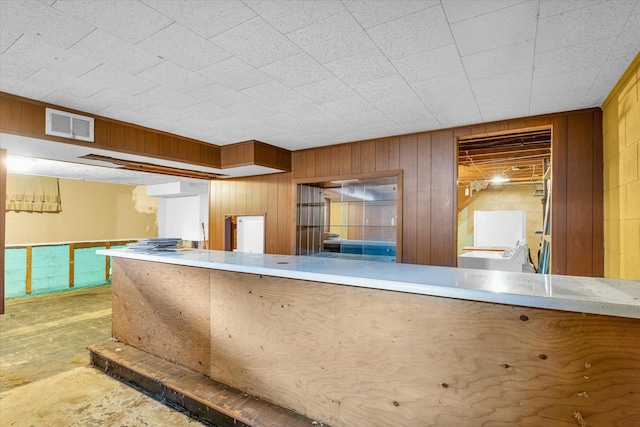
(297, 70)
(361, 67)
(518, 100)
(220, 95)
(272, 93)
(458, 117)
(205, 110)
(207, 18)
(178, 44)
(18, 70)
(554, 7)
(460, 10)
(37, 20)
(433, 91)
(64, 83)
(286, 15)
(503, 83)
(627, 42)
(254, 110)
(419, 32)
(505, 113)
(429, 65)
(570, 58)
(332, 38)
(545, 102)
(400, 104)
(415, 119)
(68, 100)
(372, 13)
(349, 105)
(302, 108)
(555, 86)
(175, 77)
(496, 29)
(167, 97)
(130, 21)
(460, 101)
(256, 42)
(499, 61)
(363, 119)
(111, 50)
(326, 90)
(386, 87)
(235, 74)
(117, 105)
(600, 21)
(33, 53)
(119, 81)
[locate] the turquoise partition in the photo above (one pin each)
(15, 272)
(50, 270)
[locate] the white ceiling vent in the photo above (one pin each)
(68, 125)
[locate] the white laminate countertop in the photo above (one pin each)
(611, 297)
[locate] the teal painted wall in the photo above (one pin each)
(50, 270)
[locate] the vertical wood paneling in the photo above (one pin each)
(10, 115)
(321, 160)
(241, 197)
(133, 139)
(151, 143)
(310, 162)
(102, 133)
(559, 196)
(286, 209)
(382, 155)
(3, 198)
(344, 153)
(367, 156)
(598, 197)
(33, 120)
(394, 154)
(298, 164)
(409, 164)
(579, 194)
(443, 199)
(355, 157)
(117, 136)
(272, 215)
(423, 251)
(335, 160)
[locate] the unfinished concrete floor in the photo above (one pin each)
(45, 376)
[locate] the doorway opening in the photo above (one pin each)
(506, 172)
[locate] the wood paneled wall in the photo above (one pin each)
(268, 194)
(3, 198)
(21, 116)
(429, 164)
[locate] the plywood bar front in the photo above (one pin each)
(352, 343)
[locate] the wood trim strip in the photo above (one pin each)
(29, 270)
(3, 198)
(72, 255)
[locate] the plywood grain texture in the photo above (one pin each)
(163, 310)
(352, 357)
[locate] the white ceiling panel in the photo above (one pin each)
(429, 65)
(595, 22)
(372, 13)
(131, 21)
(256, 42)
(384, 88)
(332, 38)
(326, 90)
(235, 74)
(306, 73)
(103, 47)
(361, 67)
(503, 84)
(297, 70)
(499, 61)
(566, 59)
(177, 44)
(207, 18)
(34, 19)
(119, 81)
(493, 30)
(175, 77)
(287, 15)
(419, 32)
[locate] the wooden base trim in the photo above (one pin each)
(200, 397)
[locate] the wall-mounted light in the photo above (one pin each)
(499, 179)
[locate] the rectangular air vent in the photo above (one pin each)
(69, 125)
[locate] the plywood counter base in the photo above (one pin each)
(355, 356)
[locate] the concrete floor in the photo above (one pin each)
(45, 376)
